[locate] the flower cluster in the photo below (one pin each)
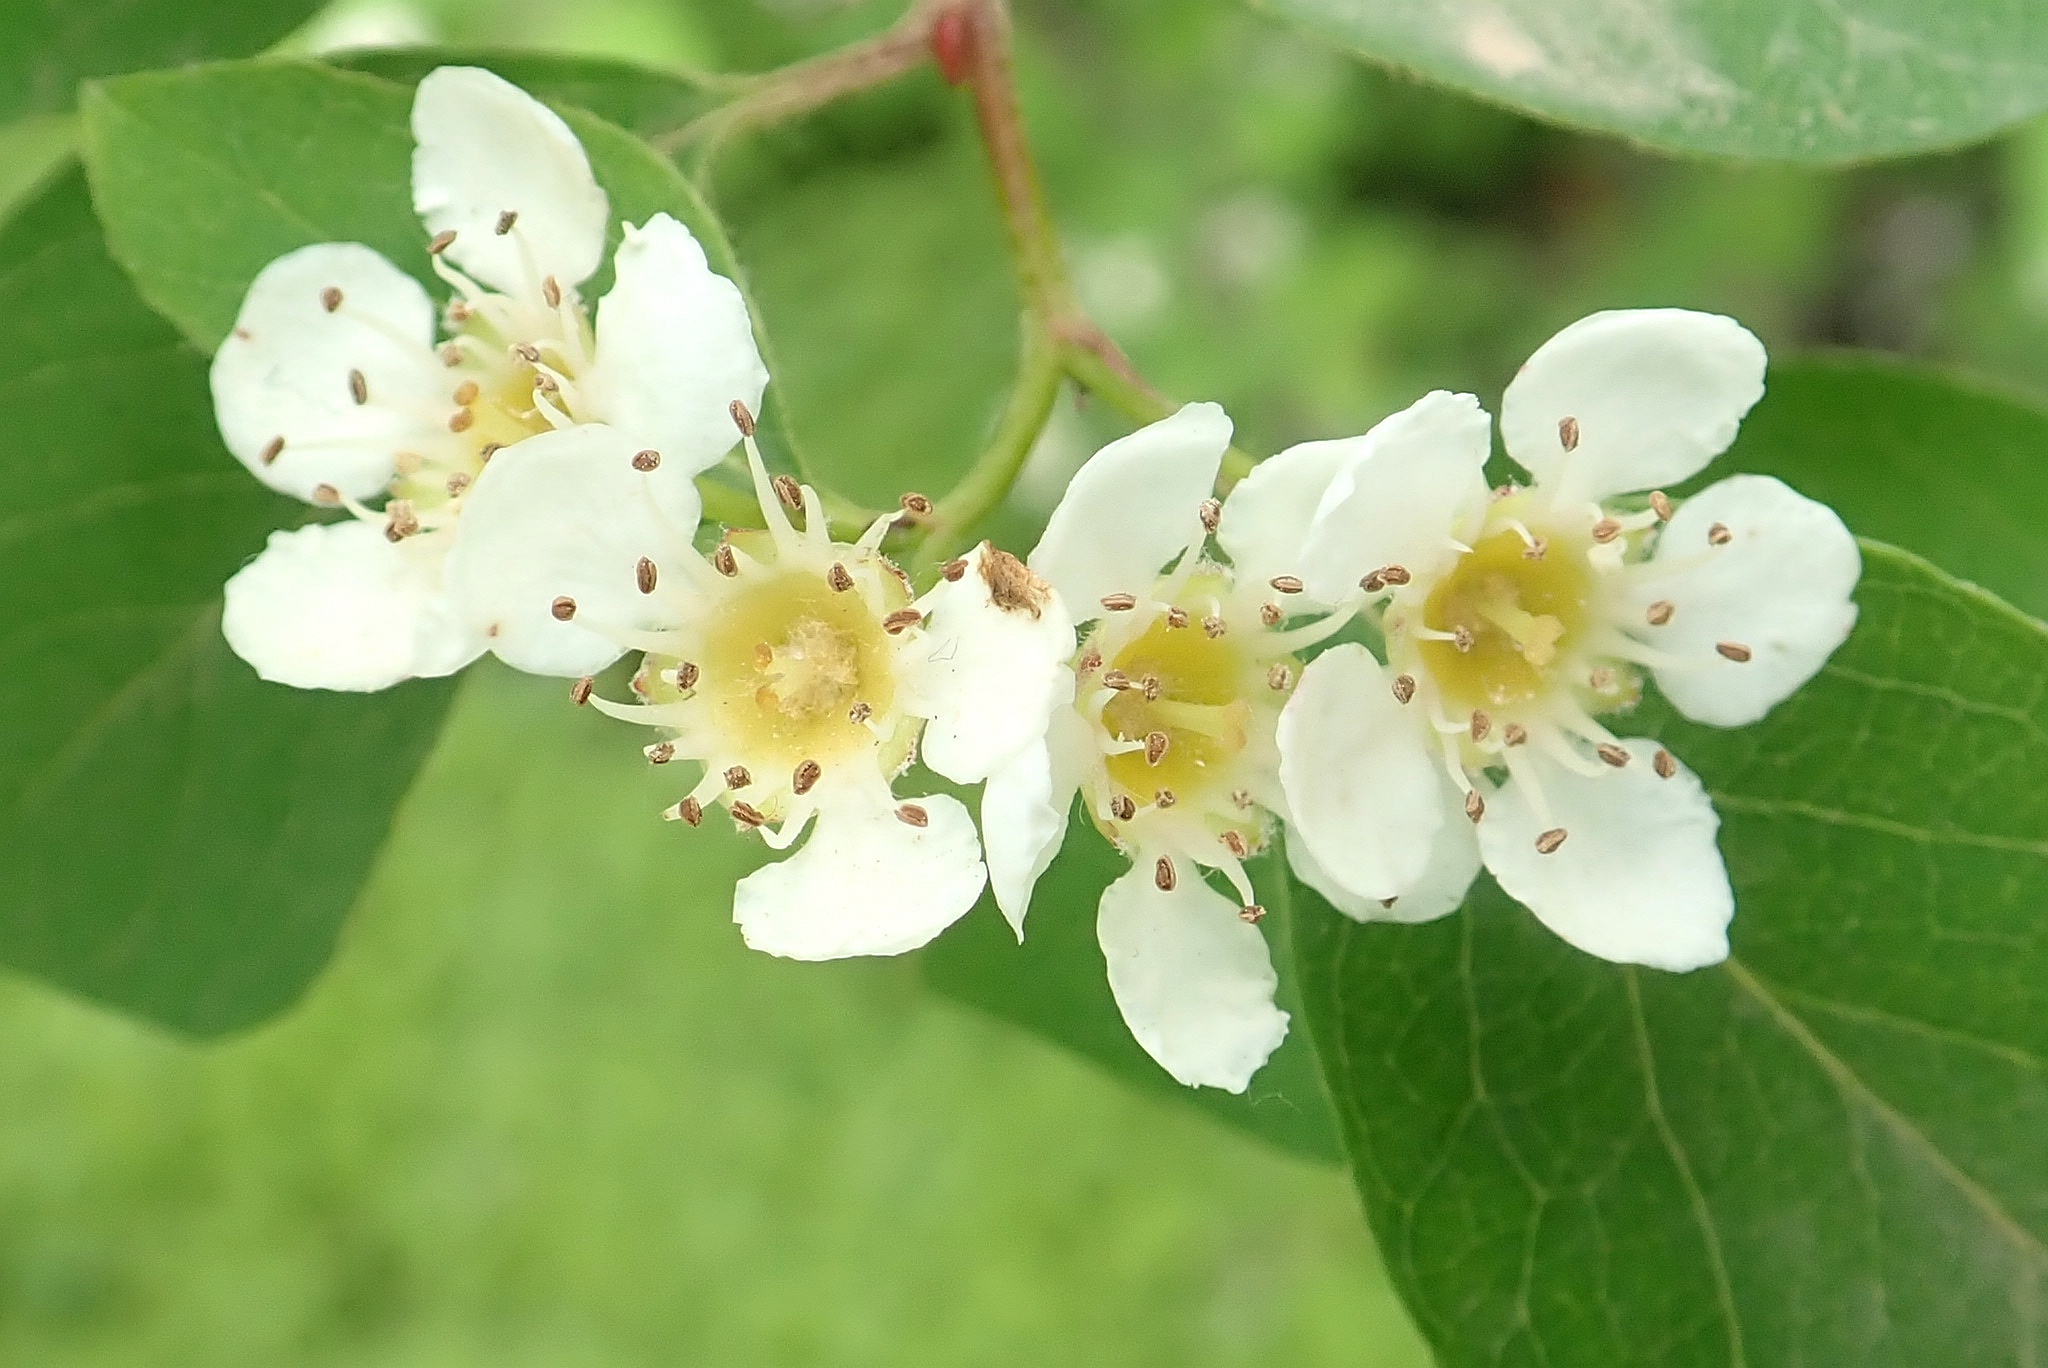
(1364, 656)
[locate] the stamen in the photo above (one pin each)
(1214, 626)
(1164, 799)
(1090, 661)
(1234, 842)
(1549, 841)
(737, 777)
(1514, 734)
(859, 713)
(1285, 584)
(1606, 530)
(1115, 679)
(1733, 650)
(358, 388)
(1211, 513)
(1404, 688)
(953, 569)
(1241, 799)
(1660, 504)
(551, 291)
(1176, 617)
(745, 815)
(564, 608)
(742, 417)
(272, 449)
(524, 351)
(460, 420)
(466, 393)
(790, 492)
(441, 242)
(1251, 913)
(1568, 433)
(1480, 726)
(1163, 877)
(646, 461)
(1270, 614)
(1475, 806)
(916, 505)
(660, 753)
(1155, 747)
(330, 298)
(1719, 535)
(488, 450)
(326, 495)
(807, 774)
(910, 814)
(1660, 612)
(1278, 678)
(1150, 687)
(839, 577)
(724, 561)
(901, 620)
(1462, 638)
(1119, 603)
(505, 221)
(1664, 763)
(689, 811)
(1536, 549)
(1614, 755)
(401, 520)
(450, 354)
(1122, 807)
(579, 692)
(644, 575)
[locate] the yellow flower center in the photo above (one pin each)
(1512, 614)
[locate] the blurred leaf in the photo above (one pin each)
(1055, 984)
(1939, 464)
(644, 100)
(48, 46)
(1826, 1150)
(1804, 80)
(178, 839)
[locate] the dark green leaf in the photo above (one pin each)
(176, 838)
(1799, 80)
(1827, 1150)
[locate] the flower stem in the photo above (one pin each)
(952, 521)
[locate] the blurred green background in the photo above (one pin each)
(546, 1110)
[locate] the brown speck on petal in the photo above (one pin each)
(1163, 877)
(1568, 433)
(1664, 763)
(910, 814)
(505, 222)
(1719, 535)
(648, 460)
(644, 575)
(330, 298)
(1733, 650)
(564, 608)
(1404, 688)
(272, 449)
(358, 388)
(1549, 841)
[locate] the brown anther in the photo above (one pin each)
(660, 753)
(1163, 877)
(545, 383)
(648, 460)
(551, 291)
(1270, 614)
(525, 351)
(764, 655)
(1659, 613)
(1664, 763)
(326, 495)
(1536, 549)
(1395, 574)
(859, 713)
(724, 561)
(745, 815)
(916, 505)
(272, 449)
(1119, 603)
(1176, 617)
(1606, 530)
(1373, 582)
(1234, 842)
(1600, 680)
(1719, 535)
(1164, 798)
(1568, 433)
(505, 222)
(644, 575)
(839, 577)
(401, 520)
(1251, 914)
(1285, 584)
(1549, 841)
(330, 298)
(1660, 504)
(579, 692)
(1462, 638)
(742, 417)
(1212, 514)
(441, 242)
(1278, 678)
(1115, 679)
(1150, 687)
(358, 387)
(789, 492)
(1241, 799)
(1214, 626)
(450, 354)
(901, 621)
(1475, 805)
(1155, 747)
(458, 309)
(691, 811)
(1611, 754)
(460, 420)
(1404, 687)
(1091, 660)
(805, 776)
(458, 482)
(564, 608)
(910, 814)
(953, 569)
(687, 675)
(737, 777)
(1515, 734)
(1733, 650)
(1480, 726)
(1122, 807)
(466, 393)
(488, 450)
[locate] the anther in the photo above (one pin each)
(330, 298)
(953, 569)
(724, 561)
(1119, 603)
(1480, 726)
(1568, 433)
(441, 242)
(1234, 842)
(1733, 650)
(646, 461)
(551, 291)
(916, 505)
(1719, 535)
(689, 810)
(1549, 841)
(1241, 799)
(525, 351)
(1536, 549)
(1270, 614)
(764, 655)
(1373, 582)
(1090, 661)
(326, 495)
(1475, 805)
(1155, 747)
(579, 692)
(1664, 763)
(1606, 530)
(401, 520)
(1395, 574)
(644, 575)
(901, 621)
(466, 393)
(1404, 688)
(1165, 798)
(1278, 678)
(910, 814)
(458, 309)
(545, 383)
(745, 815)
(859, 713)
(505, 221)
(742, 417)
(1462, 638)
(839, 577)
(1176, 617)
(1601, 679)
(358, 387)
(272, 449)
(1122, 807)
(488, 450)
(789, 492)
(1660, 504)
(450, 354)
(1211, 514)
(1515, 734)
(1115, 679)
(660, 753)
(1612, 754)
(1150, 687)
(458, 482)
(686, 675)
(1163, 877)
(1285, 584)
(1251, 914)
(460, 420)
(1660, 612)
(564, 608)
(805, 776)
(1214, 626)
(737, 777)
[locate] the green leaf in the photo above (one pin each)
(644, 100)
(176, 838)
(48, 46)
(1828, 1149)
(1797, 80)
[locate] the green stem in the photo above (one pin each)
(952, 522)
(1123, 391)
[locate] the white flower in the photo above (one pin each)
(1514, 618)
(331, 387)
(1169, 738)
(800, 673)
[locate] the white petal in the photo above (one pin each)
(1267, 516)
(1638, 879)
(674, 349)
(865, 882)
(338, 606)
(1024, 811)
(1193, 980)
(1413, 483)
(1363, 790)
(484, 148)
(283, 371)
(1655, 394)
(992, 671)
(1780, 586)
(1438, 891)
(562, 515)
(1132, 508)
